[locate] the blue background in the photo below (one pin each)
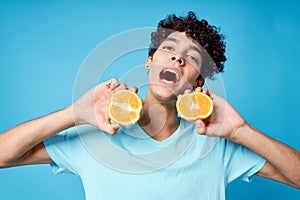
(43, 43)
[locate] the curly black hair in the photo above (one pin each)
(199, 30)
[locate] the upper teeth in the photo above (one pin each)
(173, 71)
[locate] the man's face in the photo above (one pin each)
(174, 67)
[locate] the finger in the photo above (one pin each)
(187, 91)
(115, 126)
(201, 128)
(122, 86)
(210, 93)
(134, 89)
(198, 89)
(112, 83)
(206, 91)
(110, 128)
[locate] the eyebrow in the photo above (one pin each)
(192, 46)
(172, 39)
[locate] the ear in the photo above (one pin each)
(199, 83)
(148, 61)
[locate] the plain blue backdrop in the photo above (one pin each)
(43, 43)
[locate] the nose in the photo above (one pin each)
(177, 58)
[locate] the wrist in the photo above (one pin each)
(239, 133)
(68, 112)
(75, 113)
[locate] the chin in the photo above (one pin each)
(164, 94)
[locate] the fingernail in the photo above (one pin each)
(117, 126)
(112, 86)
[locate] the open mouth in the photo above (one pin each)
(169, 76)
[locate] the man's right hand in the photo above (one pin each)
(23, 144)
(91, 108)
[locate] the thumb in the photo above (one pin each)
(108, 127)
(201, 128)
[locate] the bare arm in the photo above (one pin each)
(23, 144)
(283, 162)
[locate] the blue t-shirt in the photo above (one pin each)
(132, 165)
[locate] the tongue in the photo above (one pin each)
(169, 76)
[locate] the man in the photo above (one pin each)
(177, 64)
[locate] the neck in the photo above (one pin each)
(158, 119)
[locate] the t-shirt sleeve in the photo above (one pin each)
(64, 149)
(240, 162)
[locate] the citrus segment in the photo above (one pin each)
(193, 106)
(125, 107)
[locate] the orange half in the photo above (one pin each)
(194, 106)
(125, 107)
